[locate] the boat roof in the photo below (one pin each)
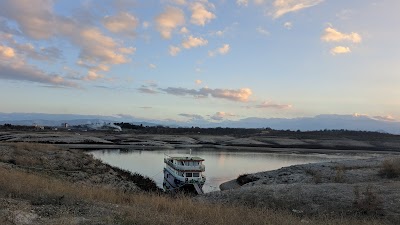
(186, 158)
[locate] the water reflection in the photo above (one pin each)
(221, 166)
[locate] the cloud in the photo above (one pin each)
(98, 48)
(19, 70)
(282, 7)
(179, 2)
(147, 90)
(38, 21)
(4, 27)
(98, 67)
(221, 115)
(259, 2)
(198, 82)
(13, 66)
(44, 54)
(270, 105)
(242, 2)
(220, 33)
(92, 75)
(184, 30)
(146, 24)
(288, 25)
(360, 115)
(345, 14)
(192, 42)
(6, 52)
(340, 50)
(192, 116)
(35, 20)
(123, 22)
(237, 95)
(387, 118)
(262, 31)
(30, 51)
(169, 20)
(222, 50)
(152, 66)
(332, 35)
(173, 50)
(226, 30)
(200, 14)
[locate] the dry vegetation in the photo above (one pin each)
(125, 208)
(390, 168)
(367, 202)
(245, 178)
(39, 197)
(71, 165)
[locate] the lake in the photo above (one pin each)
(220, 165)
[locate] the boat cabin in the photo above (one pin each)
(183, 170)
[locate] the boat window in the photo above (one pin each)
(196, 175)
(188, 174)
(182, 163)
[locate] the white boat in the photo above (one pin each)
(184, 173)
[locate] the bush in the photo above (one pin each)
(316, 175)
(390, 168)
(339, 177)
(246, 178)
(367, 202)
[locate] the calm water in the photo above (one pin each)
(221, 166)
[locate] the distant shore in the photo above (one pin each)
(301, 143)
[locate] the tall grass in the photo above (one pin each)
(145, 208)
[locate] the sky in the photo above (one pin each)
(182, 60)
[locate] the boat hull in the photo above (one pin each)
(173, 184)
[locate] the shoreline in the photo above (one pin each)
(269, 143)
(93, 147)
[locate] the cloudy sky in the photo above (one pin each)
(201, 59)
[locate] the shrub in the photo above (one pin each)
(316, 175)
(339, 177)
(367, 202)
(246, 178)
(390, 168)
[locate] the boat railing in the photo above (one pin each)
(199, 167)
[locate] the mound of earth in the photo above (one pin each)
(344, 187)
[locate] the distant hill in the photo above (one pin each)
(320, 122)
(72, 119)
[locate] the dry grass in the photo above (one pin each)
(246, 178)
(390, 168)
(316, 175)
(367, 202)
(339, 176)
(73, 165)
(144, 208)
